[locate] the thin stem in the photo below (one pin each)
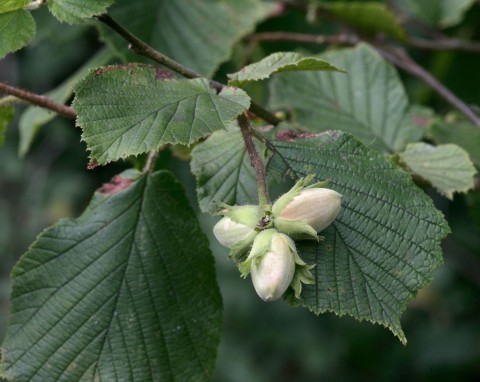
(402, 60)
(342, 38)
(257, 163)
(150, 163)
(143, 49)
(39, 100)
(445, 44)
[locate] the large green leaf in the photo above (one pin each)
(197, 33)
(385, 243)
(223, 170)
(17, 28)
(129, 110)
(463, 133)
(369, 17)
(35, 117)
(12, 5)
(126, 292)
(77, 11)
(442, 13)
(369, 102)
(6, 116)
(447, 167)
(276, 63)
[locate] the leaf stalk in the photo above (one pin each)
(257, 164)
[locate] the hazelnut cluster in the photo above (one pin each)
(262, 243)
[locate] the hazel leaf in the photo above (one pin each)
(132, 109)
(385, 243)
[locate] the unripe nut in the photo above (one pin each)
(229, 232)
(237, 224)
(273, 272)
(317, 207)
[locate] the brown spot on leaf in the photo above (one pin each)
(291, 135)
(163, 74)
(286, 135)
(309, 135)
(106, 69)
(420, 121)
(117, 184)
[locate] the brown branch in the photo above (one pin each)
(402, 60)
(39, 100)
(398, 57)
(257, 163)
(445, 44)
(143, 49)
(348, 39)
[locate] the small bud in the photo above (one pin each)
(318, 207)
(273, 271)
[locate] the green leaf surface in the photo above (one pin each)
(129, 110)
(33, 118)
(12, 5)
(369, 102)
(463, 134)
(6, 116)
(276, 63)
(368, 17)
(447, 167)
(125, 292)
(385, 243)
(17, 28)
(77, 11)
(442, 13)
(415, 124)
(223, 171)
(197, 33)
